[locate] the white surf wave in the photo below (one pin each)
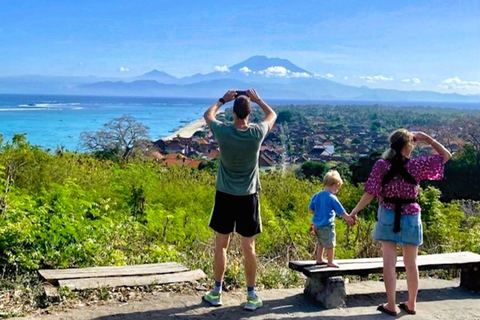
(48, 105)
(29, 109)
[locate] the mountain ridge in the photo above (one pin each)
(272, 77)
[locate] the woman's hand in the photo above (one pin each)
(354, 216)
(421, 136)
(348, 219)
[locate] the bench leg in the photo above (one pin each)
(470, 279)
(329, 292)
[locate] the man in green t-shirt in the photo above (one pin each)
(236, 205)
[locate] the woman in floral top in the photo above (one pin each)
(394, 181)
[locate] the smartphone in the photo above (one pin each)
(240, 93)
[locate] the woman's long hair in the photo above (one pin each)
(398, 139)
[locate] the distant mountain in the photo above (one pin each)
(45, 84)
(206, 89)
(257, 68)
(158, 76)
(262, 63)
(273, 77)
(320, 89)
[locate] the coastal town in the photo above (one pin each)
(291, 143)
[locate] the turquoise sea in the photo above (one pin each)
(53, 120)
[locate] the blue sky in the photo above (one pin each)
(407, 45)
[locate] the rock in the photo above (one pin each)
(201, 288)
(329, 292)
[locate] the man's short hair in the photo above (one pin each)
(332, 177)
(242, 107)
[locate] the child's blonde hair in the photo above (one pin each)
(331, 178)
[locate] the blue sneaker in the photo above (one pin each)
(253, 303)
(214, 299)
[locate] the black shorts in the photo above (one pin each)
(236, 213)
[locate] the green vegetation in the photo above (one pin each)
(313, 169)
(77, 210)
(71, 210)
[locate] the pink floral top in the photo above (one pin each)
(423, 168)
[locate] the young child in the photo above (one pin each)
(324, 205)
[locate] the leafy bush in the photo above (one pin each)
(73, 210)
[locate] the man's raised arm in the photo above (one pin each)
(270, 115)
(211, 112)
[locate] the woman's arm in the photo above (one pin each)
(364, 201)
(437, 146)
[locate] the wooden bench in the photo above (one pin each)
(326, 285)
(117, 276)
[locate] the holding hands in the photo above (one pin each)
(349, 219)
(353, 217)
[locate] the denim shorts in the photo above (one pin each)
(326, 236)
(411, 231)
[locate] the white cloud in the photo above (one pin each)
(457, 82)
(346, 78)
(458, 85)
(300, 75)
(277, 71)
(412, 80)
(373, 79)
(222, 68)
(328, 76)
(282, 72)
(245, 70)
(124, 69)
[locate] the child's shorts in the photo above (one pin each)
(411, 231)
(326, 236)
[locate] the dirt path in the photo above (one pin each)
(438, 299)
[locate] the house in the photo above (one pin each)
(178, 159)
(303, 158)
(329, 148)
(215, 153)
(265, 162)
(203, 145)
(156, 156)
(316, 151)
(326, 149)
(174, 146)
(454, 146)
(159, 144)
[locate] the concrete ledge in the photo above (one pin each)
(470, 279)
(328, 292)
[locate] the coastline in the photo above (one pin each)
(188, 130)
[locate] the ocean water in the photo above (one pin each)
(51, 121)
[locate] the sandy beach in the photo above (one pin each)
(192, 127)
(188, 130)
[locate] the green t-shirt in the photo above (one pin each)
(239, 152)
